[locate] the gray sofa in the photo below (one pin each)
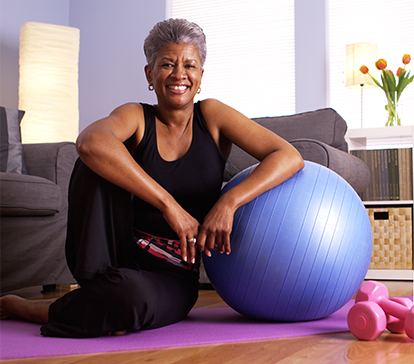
(33, 217)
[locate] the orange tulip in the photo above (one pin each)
(381, 64)
(364, 69)
(400, 71)
(406, 59)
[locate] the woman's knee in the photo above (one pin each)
(127, 286)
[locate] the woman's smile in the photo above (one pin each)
(178, 88)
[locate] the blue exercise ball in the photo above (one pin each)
(299, 251)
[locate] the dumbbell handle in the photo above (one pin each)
(393, 308)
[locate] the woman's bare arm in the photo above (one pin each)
(279, 161)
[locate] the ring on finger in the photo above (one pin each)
(192, 240)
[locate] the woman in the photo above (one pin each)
(136, 259)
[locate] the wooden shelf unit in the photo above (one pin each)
(384, 138)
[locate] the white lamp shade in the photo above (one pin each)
(357, 55)
(48, 83)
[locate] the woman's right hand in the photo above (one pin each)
(186, 227)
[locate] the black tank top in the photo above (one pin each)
(194, 180)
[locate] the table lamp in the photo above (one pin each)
(358, 54)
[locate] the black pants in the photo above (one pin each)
(122, 287)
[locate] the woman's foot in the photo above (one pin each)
(15, 307)
(20, 308)
(117, 333)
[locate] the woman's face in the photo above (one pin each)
(176, 75)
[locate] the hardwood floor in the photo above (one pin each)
(330, 348)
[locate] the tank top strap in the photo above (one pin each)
(149, 117)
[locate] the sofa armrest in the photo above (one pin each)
(53, 161)
(352, 169)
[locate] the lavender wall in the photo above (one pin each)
(13, 14)
(111, 68)
(111, 58)
(310, 55)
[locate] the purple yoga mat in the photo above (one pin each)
(20, 339)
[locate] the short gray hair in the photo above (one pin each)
(174, 31)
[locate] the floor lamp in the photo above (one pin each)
(48, 82)
(357, 55)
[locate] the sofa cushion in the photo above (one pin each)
(11, 152)
(24, 195)
(325, 125)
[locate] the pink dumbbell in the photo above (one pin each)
(365, 319)
(395, 324)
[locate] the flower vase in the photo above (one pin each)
(392, 109)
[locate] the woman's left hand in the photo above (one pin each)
(216, 228)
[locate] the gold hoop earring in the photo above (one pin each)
(151, 87)
(199, 90)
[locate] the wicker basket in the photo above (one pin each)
(392, 232)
